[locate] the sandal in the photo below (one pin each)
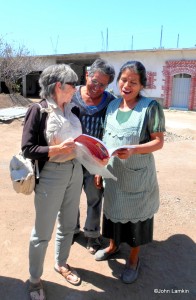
(93, 245)
(36, 291)
(69, 274)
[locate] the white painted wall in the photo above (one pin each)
(153, 60)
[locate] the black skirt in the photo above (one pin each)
(134, 234)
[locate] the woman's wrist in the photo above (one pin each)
(53, 150)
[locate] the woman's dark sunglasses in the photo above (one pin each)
(73, 84)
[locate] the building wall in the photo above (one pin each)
(161, 66)
(156, 63)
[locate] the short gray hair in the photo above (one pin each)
(51, 75)
(102, 66)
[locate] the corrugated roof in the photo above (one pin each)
(12, 113)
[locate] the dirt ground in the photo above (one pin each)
(168, 264)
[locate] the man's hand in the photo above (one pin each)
(98, 181)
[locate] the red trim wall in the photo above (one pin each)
(172, 68)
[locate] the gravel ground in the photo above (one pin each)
(168, 264)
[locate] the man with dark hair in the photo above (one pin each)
(92, 100)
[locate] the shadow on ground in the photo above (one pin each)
(168, 271)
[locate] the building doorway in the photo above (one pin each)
(181, 91)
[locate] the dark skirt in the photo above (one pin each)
(134, 234)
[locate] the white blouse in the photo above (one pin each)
(61, 126)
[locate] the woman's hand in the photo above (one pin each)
(124, 153)
(66, 147)
(98, 181)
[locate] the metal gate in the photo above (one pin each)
(181, 91)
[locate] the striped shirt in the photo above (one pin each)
(92, 117)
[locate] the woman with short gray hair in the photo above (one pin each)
(48, 137)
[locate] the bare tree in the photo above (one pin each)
(15, 63)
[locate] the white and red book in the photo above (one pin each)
(97, 147)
